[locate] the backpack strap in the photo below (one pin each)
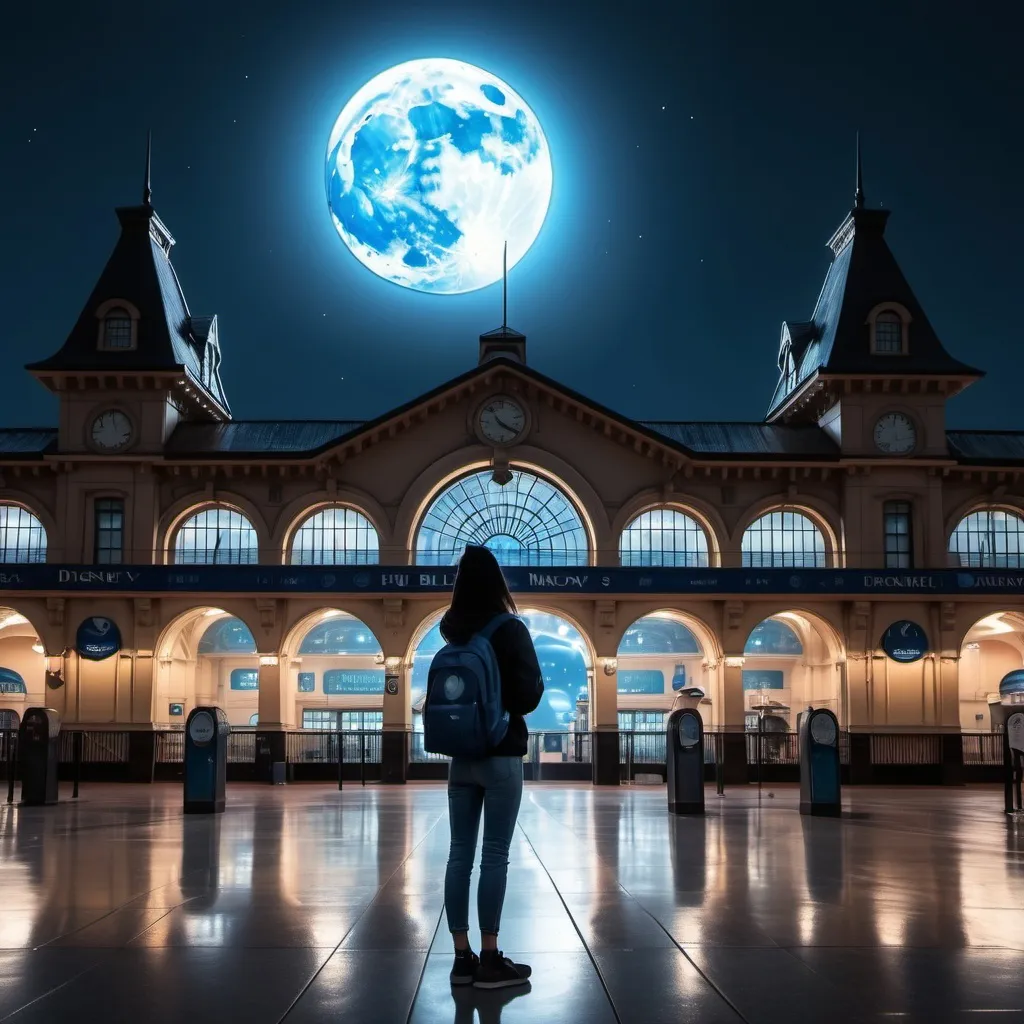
(499, 620)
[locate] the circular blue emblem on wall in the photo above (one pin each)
(98, 638)
(905, 641)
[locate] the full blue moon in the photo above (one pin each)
(431, 167)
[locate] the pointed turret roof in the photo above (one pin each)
(168, 338)
(836, 340)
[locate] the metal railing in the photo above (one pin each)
(321, 747)
(906, 749)
(97, 747)
(982, 748)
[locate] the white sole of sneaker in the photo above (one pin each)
(506, 983)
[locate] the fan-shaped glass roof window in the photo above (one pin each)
(341, 635)
(335, 536)
(528, 521)
(227, 636)
(773, 637)
(784, 540)
(658, 634)
(664, 536)
(989, 539)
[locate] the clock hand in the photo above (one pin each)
(502, 423)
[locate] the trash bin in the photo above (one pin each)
(206, 760)
(39, 757)
(820, 792)
(1013, 760)
(684, 747)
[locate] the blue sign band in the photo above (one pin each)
(142, 579)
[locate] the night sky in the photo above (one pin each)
(703, 155)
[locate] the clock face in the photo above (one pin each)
(111, 430)
(895, 434)
(502, 420)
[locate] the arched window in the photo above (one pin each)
(664, 536)
(216, 536)
(335, 536)
(227, 636)
(989, 539)
(773, 637)
(527, 521)
(889, 334)
(22, 536)
(117, 328)
(783, 539)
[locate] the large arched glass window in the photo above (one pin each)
(664, 536)
(22, 536)
(989, 539)
(783, 539)
(527, 521)
(335, 536)
(216, 536)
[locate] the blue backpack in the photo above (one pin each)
(464, 716)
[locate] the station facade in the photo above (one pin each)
(849, 550)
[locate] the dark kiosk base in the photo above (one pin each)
(1013, 761)
(684, 747)
(820, 792)
(38, 751)
(206, 760)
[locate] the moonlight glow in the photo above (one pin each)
(431, 167)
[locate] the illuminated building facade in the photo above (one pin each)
(848, 550)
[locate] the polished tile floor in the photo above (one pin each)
(308, 905)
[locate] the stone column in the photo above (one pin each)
(734, 753)
(394, 745)
(270, 734)
(604, 708)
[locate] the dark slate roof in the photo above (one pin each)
(863, 274)
(995, 446)
(767, 439)
(140, 271)
(257, 437)
(27, 441)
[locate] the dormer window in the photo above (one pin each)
(888, 325)
(889, 334)
(118, 323)
(117, 329)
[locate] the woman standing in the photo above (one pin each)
(493, 784)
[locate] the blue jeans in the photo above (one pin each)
(495, 786)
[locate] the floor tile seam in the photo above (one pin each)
(305, 988)
(53, 991)
(423, 968)
(586, 947)
(166, 912)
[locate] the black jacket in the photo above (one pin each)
(522, 684)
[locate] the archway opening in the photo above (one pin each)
(22, 668)
(790, 663)
(337, 675)
(565, 664)
(658, 655)
(207, 657)
(992, 649)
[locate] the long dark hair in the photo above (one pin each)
(480, 593)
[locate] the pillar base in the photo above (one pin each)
(394, 757)
(604, 755)
(734, 758)
(270, 748)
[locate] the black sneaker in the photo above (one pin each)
(497, 971)
(465, 967)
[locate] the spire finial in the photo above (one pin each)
(504, 288)
(858, 196)
(147, 191)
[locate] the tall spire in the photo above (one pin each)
(858, 196)
(147, 191)
(504, 288)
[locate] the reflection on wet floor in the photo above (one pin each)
(306, 904)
